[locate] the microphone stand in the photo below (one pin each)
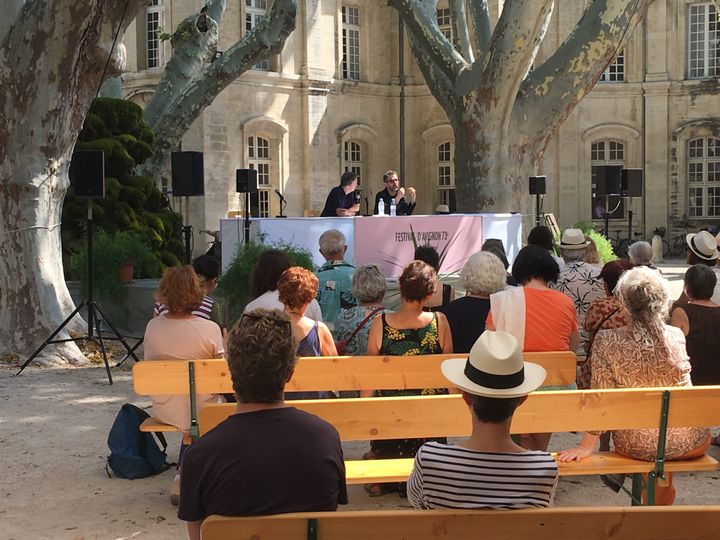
(367, 206)
(283, 204)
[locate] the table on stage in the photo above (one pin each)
(388, 241)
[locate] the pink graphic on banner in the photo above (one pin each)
(388, 241)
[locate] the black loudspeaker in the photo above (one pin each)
(87, 174)
(538, 185)
(606, 180)
(246, 181)
(188, 174)
(631, 182)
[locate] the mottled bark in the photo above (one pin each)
(187, 89)
(52, 56)
(502, 113)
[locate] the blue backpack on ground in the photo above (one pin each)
(134, 453)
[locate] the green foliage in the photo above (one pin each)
(234, 284)
(605, 249)
(110, 252)
(132, 203)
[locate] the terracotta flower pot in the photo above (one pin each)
(126, 272)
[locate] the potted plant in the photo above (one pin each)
(116, 259)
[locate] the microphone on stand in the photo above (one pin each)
(283, 202)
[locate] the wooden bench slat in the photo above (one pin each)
(331, 373)
(154, 425)
(398, 470)
(447, 416)
(597, 523)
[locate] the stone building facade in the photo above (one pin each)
(333, 100)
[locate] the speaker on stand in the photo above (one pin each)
(606, 182)
(188, 180)
(631, 185)
(538, 187)
(87, 179)
(246, 181)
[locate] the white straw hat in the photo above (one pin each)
(495, 368)
(573, 239)
(703, 244)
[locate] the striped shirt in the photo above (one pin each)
(204, 310)
(448, 476)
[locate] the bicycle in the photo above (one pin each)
(678, 244)
(622, 246)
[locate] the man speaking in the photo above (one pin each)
(393, 191)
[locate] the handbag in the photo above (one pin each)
(341, 344)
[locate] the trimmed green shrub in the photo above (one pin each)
(604, 247)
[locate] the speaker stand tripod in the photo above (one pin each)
(95, 315)
(187, 232)
(247, 217)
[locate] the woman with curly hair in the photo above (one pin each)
(297, 287)
(646, 353)
(409, 331)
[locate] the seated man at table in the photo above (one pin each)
(342, 200)
(404, 202)
(268, 457)
(488, 470)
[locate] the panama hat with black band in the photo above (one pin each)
(494, 368)
(573, 239)
(703, 244)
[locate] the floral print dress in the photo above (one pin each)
(407, 342)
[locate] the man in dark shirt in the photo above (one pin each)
(268, 457)
(341, 200)
(403, 207)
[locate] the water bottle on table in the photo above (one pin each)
(393, 207)
(381, 208)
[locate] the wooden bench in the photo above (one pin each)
(173, 377)
(543, 412)
(599, 523)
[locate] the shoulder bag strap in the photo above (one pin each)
(364, 322)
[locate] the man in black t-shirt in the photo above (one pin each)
(341, 200)
(268, 457)
(404, 206)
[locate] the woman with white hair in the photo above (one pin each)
(646, 353)
(482, 275)
(640, 254)
(353, 324)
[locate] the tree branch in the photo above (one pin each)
(191, 51)
(440, 86)
(461, 30)
(266, 39)
(552, 90)
(420, 18)
(500, 71)
(481, 23)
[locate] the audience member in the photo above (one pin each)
(580, 280)
(497, 248)
(699, 320)
(542, 236)
(180, 335)
(410, 331)
(488, 470)
(538, 317)
(353, 324)
(268, 457)
(641, 253)
(603, 314)
(482, 275)
(263, 284)
(335, 277)
(446, 293)
(646, 353)
(592, 256)
(207, 269)
(702, 249)
(342, 199)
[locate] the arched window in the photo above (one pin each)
(607, 152)
(259, 159)
(445, 177)
(353, 159)
(703, 174)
